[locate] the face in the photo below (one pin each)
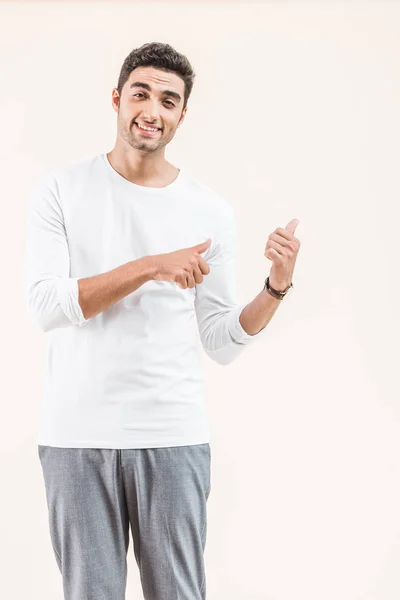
(152, 98)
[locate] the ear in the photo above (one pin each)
(182, 117)
(115, 99)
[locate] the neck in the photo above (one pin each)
(151, 170)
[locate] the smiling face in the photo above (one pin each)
(151, 98)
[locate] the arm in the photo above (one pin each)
(257, 314)
(219, 316)
(100, 291)
(54, 299)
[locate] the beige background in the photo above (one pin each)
(294, 114)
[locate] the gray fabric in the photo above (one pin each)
(93, 494)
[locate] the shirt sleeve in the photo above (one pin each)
(217, 310)
(51, 294)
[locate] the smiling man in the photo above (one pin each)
(162, 97)
(131, 268)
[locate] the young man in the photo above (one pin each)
(130, 263)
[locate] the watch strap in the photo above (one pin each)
(275, 293)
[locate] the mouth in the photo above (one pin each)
(146, 132)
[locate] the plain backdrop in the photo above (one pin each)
(294, 114)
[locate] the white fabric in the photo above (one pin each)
(131, 376)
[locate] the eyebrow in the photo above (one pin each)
(164, 92)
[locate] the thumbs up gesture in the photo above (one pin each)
(282, 248)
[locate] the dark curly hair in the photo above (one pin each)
(159, 56)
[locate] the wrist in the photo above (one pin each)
(279, 287)
(279, 294)
(149, 266)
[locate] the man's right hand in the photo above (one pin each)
(185, 267)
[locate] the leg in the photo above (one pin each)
(89, 525)
(167, 490)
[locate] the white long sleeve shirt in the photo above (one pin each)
(131, 376)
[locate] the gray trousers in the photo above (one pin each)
(93, 494)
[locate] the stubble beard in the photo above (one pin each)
(144, 145)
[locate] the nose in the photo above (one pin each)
(150, 112)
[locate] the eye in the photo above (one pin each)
(171, 104)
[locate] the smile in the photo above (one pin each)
(147, 130)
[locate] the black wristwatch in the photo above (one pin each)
(275, 293)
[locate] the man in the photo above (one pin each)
(130, 263)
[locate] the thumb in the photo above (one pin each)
(291, 226)
(203, 246)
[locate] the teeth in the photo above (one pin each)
(146, 128)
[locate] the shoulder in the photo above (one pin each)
(60, 176)
(215, 201)
(49, 185)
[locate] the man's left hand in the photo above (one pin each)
(282, 248)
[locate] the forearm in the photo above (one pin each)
(257, 314)
(101, 291)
